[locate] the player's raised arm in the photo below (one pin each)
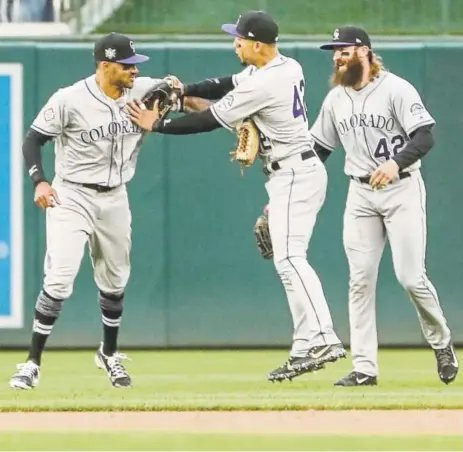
(211, 88)
(199, 96)
(191, 104)
(246, 99)
(215, 88)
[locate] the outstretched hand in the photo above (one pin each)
(141, 116)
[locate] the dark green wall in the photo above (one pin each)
(197, 277)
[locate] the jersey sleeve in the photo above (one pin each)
(323, 129)
(243, 75)
(245, 100)
(51, 120)
(409, 108)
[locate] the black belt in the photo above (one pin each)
(366, 179)
(304, 156)
(96, 187)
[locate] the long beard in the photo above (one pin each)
(350, 76)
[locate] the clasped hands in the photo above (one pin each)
(146, 118)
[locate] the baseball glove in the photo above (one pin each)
(262, 233)
(162, 91)
(248, 144)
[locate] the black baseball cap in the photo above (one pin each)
(254, 25)
(117, 48)
(348, 36)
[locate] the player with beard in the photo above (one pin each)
(385, 130)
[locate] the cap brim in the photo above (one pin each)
(333, 45)
(135, 59)
(231, 30)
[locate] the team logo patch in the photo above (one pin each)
(416, 109)
(226, 103)
(49, 114)
(336, 35)
(110, 53)
(132, 46)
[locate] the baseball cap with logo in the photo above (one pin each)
(348, 36)
(117, 48)
(254, 25)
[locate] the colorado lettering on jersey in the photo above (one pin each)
(114, 128)
(367, 121)
(372, 124)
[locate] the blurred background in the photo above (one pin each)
(298, 17)
(197, 277)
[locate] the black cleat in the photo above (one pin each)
(318, 356)
(357, 379)
(287, 372)
(116, 371)
(447, 363)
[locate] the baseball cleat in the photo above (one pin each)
(318, 356)
(357, 379)
(447, 363)
(27, 376)
(287, 371)
(112, 364)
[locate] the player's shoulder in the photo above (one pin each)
(280, 63)
(334, 95)
(69, 91)
(391, 79)
(279, 69)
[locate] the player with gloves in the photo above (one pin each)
(297, 179)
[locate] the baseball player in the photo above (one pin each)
(96, 150)
(271, 91)
(385, 130)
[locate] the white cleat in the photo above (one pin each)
(27, 376)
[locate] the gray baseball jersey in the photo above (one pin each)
(372, 124)
(95, 141)
(273, 96)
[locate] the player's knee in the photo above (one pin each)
(411, 283)
(286, 266)
(59, 290)
(59, 281)
(114, 283)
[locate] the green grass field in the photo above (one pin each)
(217, 380)
(225, 380)
(166, 441)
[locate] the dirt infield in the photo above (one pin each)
(408, 422)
